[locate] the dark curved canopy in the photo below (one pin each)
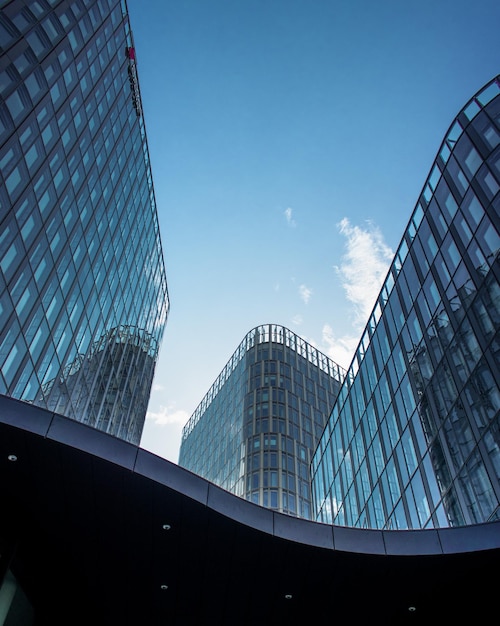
(100, 531)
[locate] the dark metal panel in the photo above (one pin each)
(25, 416)
(303, 531)
(88, 439)
(412, 542)
(470, 538)
(170, 475)
(358, 541)
(239, 509)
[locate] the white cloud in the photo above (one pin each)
(362, 271)
(158, 387)
(297, 320)
(363, 268)
(168, 415)
(305, 293)
(290, 221)
(339, 349)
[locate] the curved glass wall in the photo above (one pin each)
(80, 250)
(255, 430)
(414, 438)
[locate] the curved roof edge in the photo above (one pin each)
(132, 458)
(265, 333)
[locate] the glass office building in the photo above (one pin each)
(414, 437)
(83, 294)
(255, 430)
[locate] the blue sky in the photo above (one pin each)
(289, 142)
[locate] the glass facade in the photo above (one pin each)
(83, 294)
(255, 430)
(414, 437)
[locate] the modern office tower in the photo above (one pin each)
(255, 430)
(414, 437)
(83, 294)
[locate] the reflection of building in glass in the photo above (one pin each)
(446, 417)
(109, 387)
(255, 430)
(413, 439)
(80, 251)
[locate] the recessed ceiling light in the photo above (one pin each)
(412, 608)
(288, 596)
(166, 527)
(12, 457)
(163, 587)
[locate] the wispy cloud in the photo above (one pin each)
(168, 415)
(289, 218)
(362, 271)
(297, 320)
(305, 293)
(339, 349)
(363, 267)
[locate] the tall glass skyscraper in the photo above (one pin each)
(255, 430)
(414, 437)
(83, 293)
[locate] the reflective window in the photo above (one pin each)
(37, 259)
